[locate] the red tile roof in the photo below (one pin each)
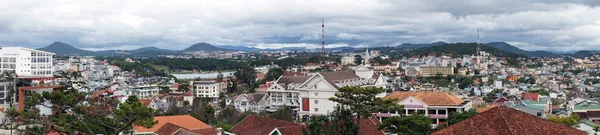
(184, 121)
(146, 102)
(257, 125)
(168, 129)
(502, 120)
(531, 96)
(429, 98)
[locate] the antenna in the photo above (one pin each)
(323, 38)
(478, 48)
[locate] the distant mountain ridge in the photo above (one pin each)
(61, 48)
(203, 47)
(499, 45)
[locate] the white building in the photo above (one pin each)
(143, 91)
(27, 63)
(208, 89)
(435, 105)
(348, 60)
(254, 102)
(5, 87)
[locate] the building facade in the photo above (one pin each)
(25, 62)
(433, 71)
(143, 91)
(208, 89)
(435, 105)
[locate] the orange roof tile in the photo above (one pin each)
(429, 98)
(502, 120)
(184, 121)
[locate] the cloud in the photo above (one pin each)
(557, 25)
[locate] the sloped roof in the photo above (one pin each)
(256, 97)
(257, 125)
(146, 102)
(168, 129)
(502, 120)
(283, 81)
(531, 96)
(184, 121)
(337, 76)
(429, 98)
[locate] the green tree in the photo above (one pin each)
(246, 75)
(358, 59)
(362, 100)
(231, 86)
(407, 125)
(596, 129)
(316, 126)
(456, 117)
(228, 115)
(273, 74)
(568, 121)
(341, 122)
(283, 114)
(72, 112)
(183, 87)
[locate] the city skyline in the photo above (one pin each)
(92, 25)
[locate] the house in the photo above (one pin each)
(435, 105)
(502, 120)
(531, 96)
(178, 124)
(587, 110)
(283, 92)
(254, 102)
(258, 125)
(208, 89)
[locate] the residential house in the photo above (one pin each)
(254, 102)
(258, 125)
(435, 105)
(176, 125)
(502, 120)
(143, 91)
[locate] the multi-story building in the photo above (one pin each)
(435, 105)
(433, 71)
(348, 60)
(143, 91)
(25, 62)
(5, 87)
(284, 93)
(255, 102)
(208, 89)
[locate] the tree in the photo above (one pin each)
(341, 122)
(73, 113)
(407, 125)
(273, 74)
(231, 86)
(568, 121)
(11, 114)
(283, 114)
(362, 100)
(596, 129)
(183, 87)
(358, 59)
(456, 117)
(228, 115)
(246, 75)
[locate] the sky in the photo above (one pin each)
(554, 25)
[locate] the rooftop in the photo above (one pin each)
(429, 98)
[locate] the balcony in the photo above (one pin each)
(437, 116)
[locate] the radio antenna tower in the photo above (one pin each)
(323, 38)
(478, 48)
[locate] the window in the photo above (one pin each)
(316, 109)
(316, 101)
(316, 94)
(441, 111)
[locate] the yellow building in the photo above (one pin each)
(432, 71)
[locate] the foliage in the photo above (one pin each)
(183, 87)
(139, 68)
(246, 75)
(465, 82)
(456, 117)
(358, 59)
(229, 116)
(380, 61)
(72, 112)
(273, 74)
(568, 121)
(341, 122)
(225, 127)
(407, 125)
(283, 114)
(321, 69)
(542, 92)
(460, 49)
(363, 100)
(231, 86)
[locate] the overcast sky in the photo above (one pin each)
(130, 24)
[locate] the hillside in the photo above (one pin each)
(202, 47)
(458, 49)
(417, 46)
(61, 48)
(510, 48)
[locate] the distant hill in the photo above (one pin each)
(417, 46)
(61, 48)
(203, 47)
(510, 48)
(238, 48)
(458, 49)
(584, 53)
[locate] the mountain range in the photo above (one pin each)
(64, 49)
